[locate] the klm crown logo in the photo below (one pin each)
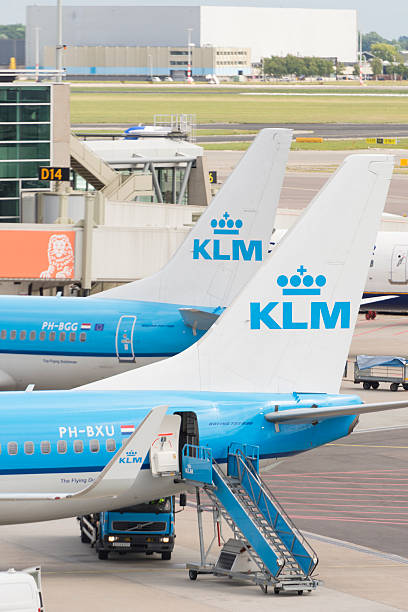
(226, 225)
(293, 315)
(217, 249)
(301, 283)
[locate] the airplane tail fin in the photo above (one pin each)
(231, 238)
(290, 328)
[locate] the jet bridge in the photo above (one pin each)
(266, 548)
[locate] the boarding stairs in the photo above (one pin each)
(280, 556)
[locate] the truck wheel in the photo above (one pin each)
(166, 556)
(103, 554)
(375, 384)
(366, 385)
(192, 574)
(394, 386)
(405, 385)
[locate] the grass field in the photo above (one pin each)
(326, 145)
(214, 107)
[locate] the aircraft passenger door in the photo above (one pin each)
(164, 451)
(399, 263)
(124, 338)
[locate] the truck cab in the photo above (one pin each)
(145, 528)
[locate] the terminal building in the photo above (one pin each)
(128, 205)
(154, 40)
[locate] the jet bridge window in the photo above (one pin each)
(62, 336)
(45, 447)
(13, 334)
(72, 337)
(78, 446)
(94, 446)
(12, 448)
(110, 445)
(3, 334)
(51, 336)
(23, 334)
(62, 447)
(32, 335)
(29, 448)
(42, 335)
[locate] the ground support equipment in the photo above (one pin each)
(266, 548)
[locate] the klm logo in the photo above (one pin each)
(282, 315)
(131, 457)
(212, 248)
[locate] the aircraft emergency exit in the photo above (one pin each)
(56, 343)
(267, 373)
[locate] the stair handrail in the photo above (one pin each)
(264, 489)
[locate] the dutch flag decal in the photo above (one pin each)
(127, 430)
(86, 326)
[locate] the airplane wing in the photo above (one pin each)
(378, 298)
(119, 474)
(198, 319)
(310, 415)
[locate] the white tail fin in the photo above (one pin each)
(228, 243)
(290, 328)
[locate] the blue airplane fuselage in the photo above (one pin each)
(58, 343)
(222, 418)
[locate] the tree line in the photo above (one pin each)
(300, 66)
(13, 31)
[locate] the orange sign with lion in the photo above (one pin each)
(37, 254)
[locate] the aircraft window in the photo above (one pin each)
(62, 447)
(94, 446)
(72, 337)
(12, 448)
(78, 446)
(13, 334)
(3, 334)
(110, 445)
(42, 335)
(51, 336)
(45, 447)
(62, 337)
(29, 448)
(23, 334)
(82, 337)
(32, 335)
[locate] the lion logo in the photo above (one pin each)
(60, 258)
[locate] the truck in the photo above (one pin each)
(145, 528)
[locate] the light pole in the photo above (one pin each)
(59, 41)
(37, 50)
(150, 58)
(189, 45)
